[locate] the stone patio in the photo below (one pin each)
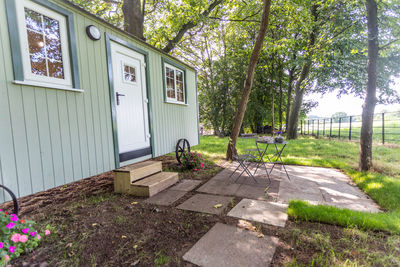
(206, 203)
(226, 245)
(314, 184)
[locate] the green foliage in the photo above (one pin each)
(192, 161)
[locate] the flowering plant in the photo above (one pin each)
(193, 161)
(16, 237)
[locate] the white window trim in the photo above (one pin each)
(169, 99)
(29, 77)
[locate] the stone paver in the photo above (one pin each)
(166, 198)
(186, 185)
(271, 213)
(225, 245)
(205, 203)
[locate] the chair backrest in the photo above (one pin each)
(246, 136)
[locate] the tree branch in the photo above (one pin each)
(187, 26)
(389, 43)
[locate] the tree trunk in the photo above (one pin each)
(280, 95)
(289, 95)
(134, 17)
(365, 162)
(248, 81)
(298, 101)
(271, 93)
(300, 87)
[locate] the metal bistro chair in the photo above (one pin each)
(243, 159)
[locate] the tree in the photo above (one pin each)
(134, 11)
(248, 81)
(365, 162)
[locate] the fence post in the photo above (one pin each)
(340, 122)
(323, 132)
(351, 118)
(383, 128)
(330, 131)
(301, 127)
(312, 133)
(317, 128)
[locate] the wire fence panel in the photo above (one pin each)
(386, 127)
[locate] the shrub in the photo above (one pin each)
(16, 237)
(193, 161)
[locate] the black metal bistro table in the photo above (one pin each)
(275, 159)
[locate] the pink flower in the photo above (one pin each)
(12, 249)
(23, 238)
(10, 225)
(15, 238)
(25, 230)
(195, 170)
(202, 165)
(38, 237)
(32, 233)
(1, 244)
(13, 217)
(6, 257)
(46, 232)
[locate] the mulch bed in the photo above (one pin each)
(95, 227)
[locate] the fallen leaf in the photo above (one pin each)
(260, 235)
(124, 236)
(218, 206)
(68, 245)
(94, 224)
(135, 246)
(246, 225)
(135, 203)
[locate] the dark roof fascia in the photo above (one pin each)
(126, 33)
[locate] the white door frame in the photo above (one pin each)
(142, 152)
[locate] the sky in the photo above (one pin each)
(330, 104)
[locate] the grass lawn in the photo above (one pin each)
(382, 184)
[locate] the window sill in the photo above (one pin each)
(176, 103)
(48, 85)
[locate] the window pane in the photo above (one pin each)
(179, 76)
(56, 69)
(38, 65)
(180, 97)
(36, 43)
(33, 20)
(53, 47)
(51, 28)
(129, 74)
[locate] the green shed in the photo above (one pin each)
(79, 97)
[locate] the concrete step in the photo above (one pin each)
(125, 176)
(154, 184)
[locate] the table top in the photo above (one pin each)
(271, 143)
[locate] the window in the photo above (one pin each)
(174, 84)
(129, 74)
(42, 41)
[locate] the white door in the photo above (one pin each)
(130, 96)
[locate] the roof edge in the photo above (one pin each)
(73, 5)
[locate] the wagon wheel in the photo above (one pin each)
(14, 199)
(181, 147)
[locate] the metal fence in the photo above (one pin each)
(386, 127)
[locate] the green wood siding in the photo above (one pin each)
(51, 137)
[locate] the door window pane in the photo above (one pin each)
(129, 73)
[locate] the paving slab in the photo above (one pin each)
(360, 204)
(218, 187)
(226, 245)
(186, 185)
(205, 203)
(271, 213)
(166, 198)
(286, 194)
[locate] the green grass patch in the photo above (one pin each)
(389, 222)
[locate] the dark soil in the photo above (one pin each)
(92, 226)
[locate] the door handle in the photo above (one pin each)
(118, 95)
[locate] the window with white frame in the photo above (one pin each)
(44, 45)
(174, 84)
